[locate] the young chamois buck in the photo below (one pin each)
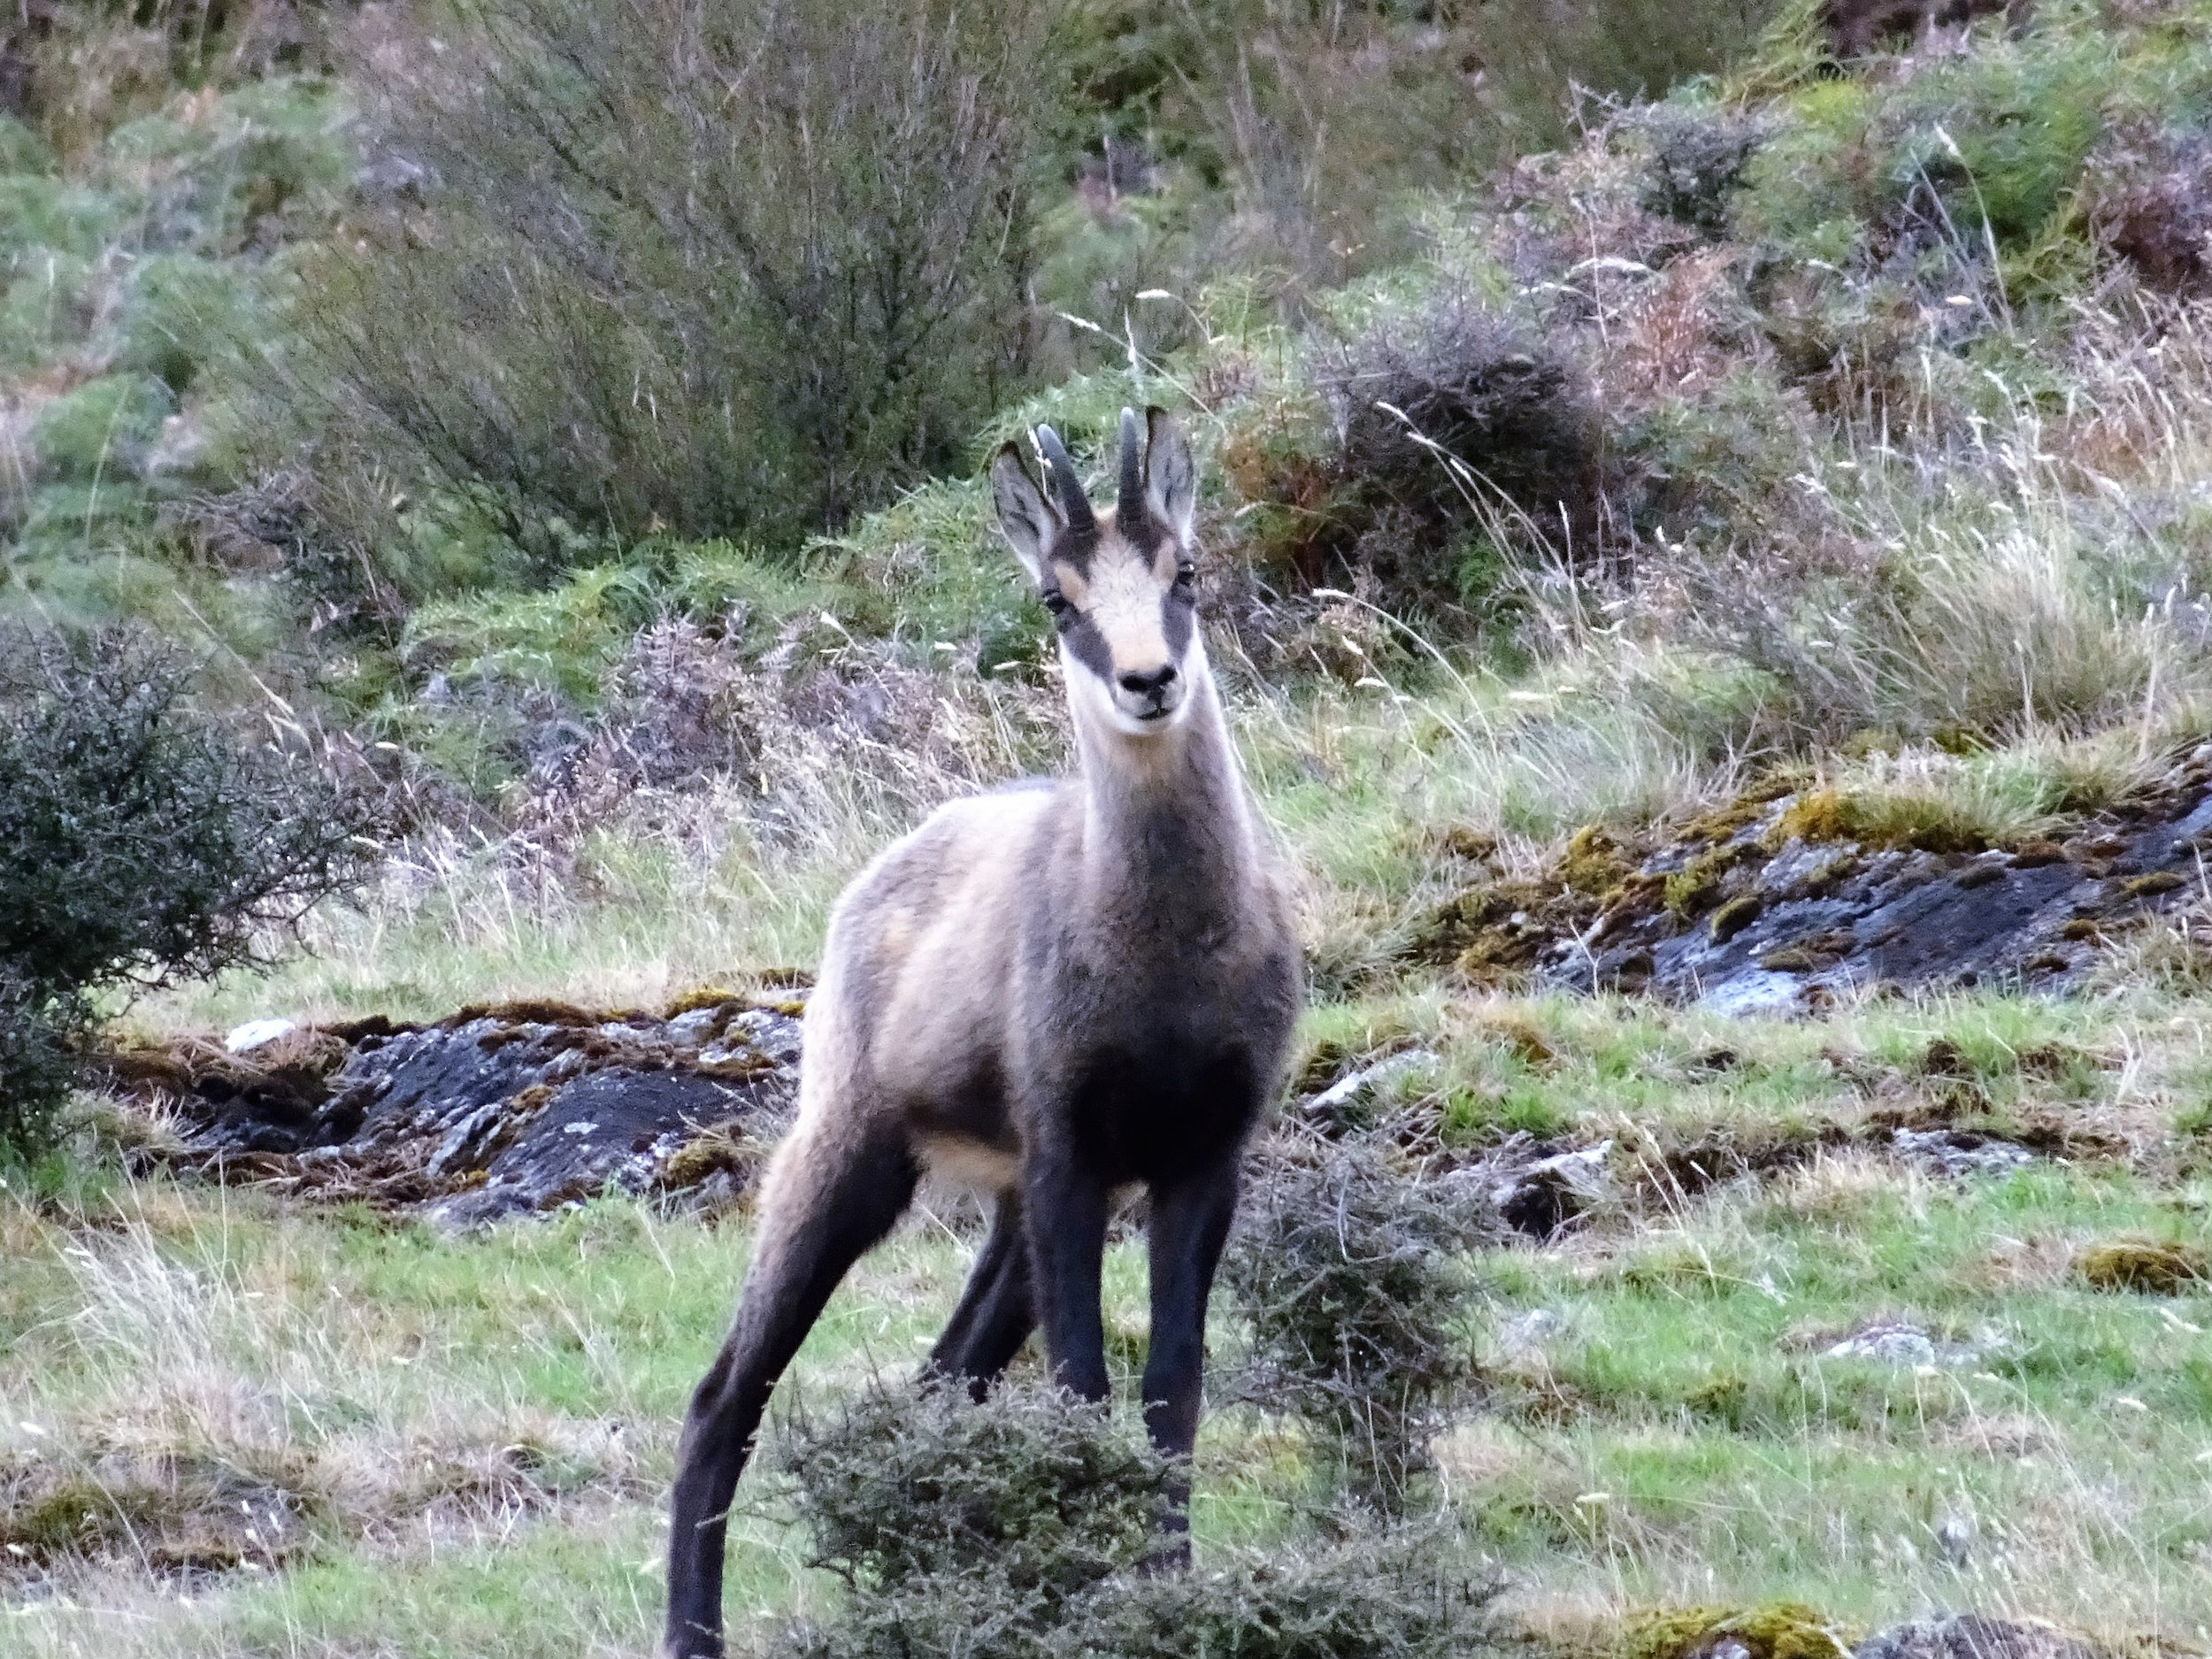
(1051, 993)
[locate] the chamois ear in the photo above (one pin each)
(1171, 483)
(1029, 523)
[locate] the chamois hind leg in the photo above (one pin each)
(1190, 1223)
(994, 1316)
(824, 1203)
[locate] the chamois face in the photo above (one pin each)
(1119, 586)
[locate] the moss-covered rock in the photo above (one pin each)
(1779, 1630)
(2161, 1267)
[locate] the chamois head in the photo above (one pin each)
(1119, 588)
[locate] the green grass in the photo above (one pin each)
(1674, 1434)
(2070, 1427)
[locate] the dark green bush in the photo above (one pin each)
(1346, 1269)
(1969, 152)
(1455, 430)
(139, 844)
(748, 267)
(1323, 124)
(1016, 1529)
(1697, 163)
(1367, 1594)
(101, 429)
(1047, 1493)
(39, 1030)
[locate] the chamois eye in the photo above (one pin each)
(1056, 604)
(1185, 574)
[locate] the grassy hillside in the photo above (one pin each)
(1830, 430)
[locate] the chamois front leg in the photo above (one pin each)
(1065, 1208)
(1190, 1223)
(822, 1206)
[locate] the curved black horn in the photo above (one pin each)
(1073, 503)
(1129, 511)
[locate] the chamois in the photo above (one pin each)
(1051, 993)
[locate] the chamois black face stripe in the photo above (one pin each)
(1085, 643)
(1078, 546)
(1178, 611)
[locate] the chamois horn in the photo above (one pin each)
(1129, 509)
(1073, 503)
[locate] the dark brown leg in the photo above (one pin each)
(823, 1206)
(1190, 1223)
(994, 1316)
(1065, 1208)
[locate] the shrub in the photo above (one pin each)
(138, 844)
(1697, 163)
(1957, 635)
(2149, 202)
(751, 267)
(1970, 151)
(180, 313)
(1456, 434)
(1367, 1594)
(103, 428)
(76, 69)
(243, 173)
(39, 1031)
(1044, 1492)
(1346, 1271)
(1015, 1529)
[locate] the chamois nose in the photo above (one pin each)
(1152, 684)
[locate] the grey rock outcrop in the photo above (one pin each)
(494, 1112)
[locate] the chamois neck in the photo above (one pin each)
(1167, 827)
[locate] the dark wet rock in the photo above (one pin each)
(495, 1112)
(1537, 1191)
(1972, 1636)
(1773, 906)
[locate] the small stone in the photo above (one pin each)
(694, 1027)
(1356, 1089)
(1530, 1330)
(1953, 1152)
(1954, 1537)
(1895, 1344)
(258, 1033)
(774, 1035)
(1971, 1636)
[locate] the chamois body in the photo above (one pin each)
(1050, 994)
